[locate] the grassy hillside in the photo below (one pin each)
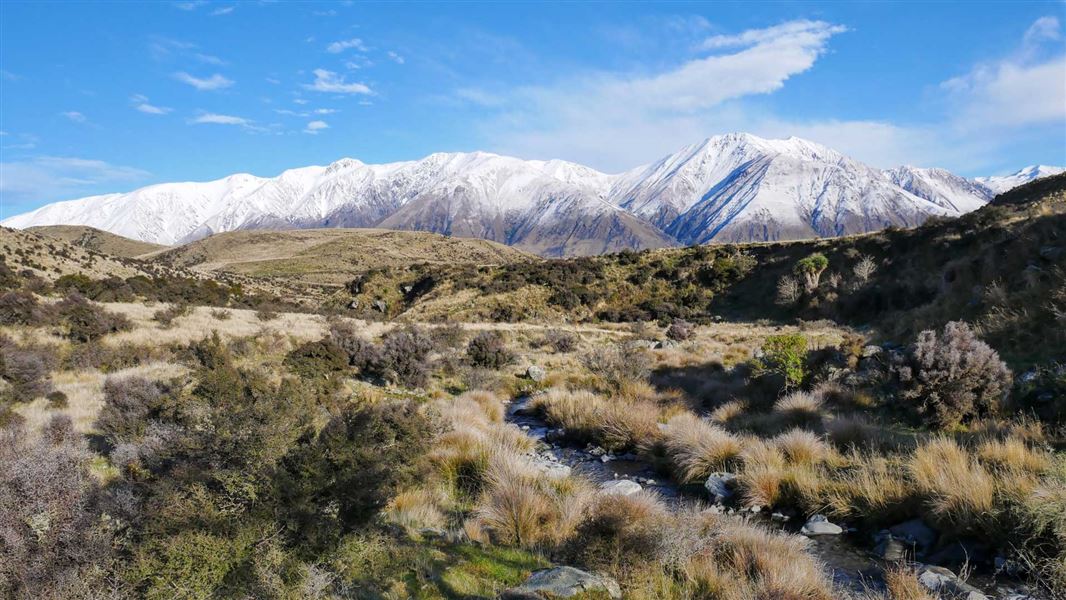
(330, 256)
(98, 240)
(50, 257)
(1002, 268)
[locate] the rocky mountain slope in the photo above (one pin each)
(728, 188)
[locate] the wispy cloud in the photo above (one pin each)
(217, 119)
(341, 46)
(141, 103)
(223, 11)
(164, 48)
(214, 82)
(396, 58)
(616, 120)
(314, 127)
(75, 116)
(57, 177)
(328, 81)
(190, 5)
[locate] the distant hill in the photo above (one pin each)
(98, 240)
(330, 256)
(51, 257)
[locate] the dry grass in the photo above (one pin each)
(417, 509)
(959, 491)
(1013, 455)
(728, 412)
(697, 447)
(617, 423)
(872, 487)
(200, 323)
(85, 397)
(802, 447)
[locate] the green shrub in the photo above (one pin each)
(87, 321)
(165, 316)
(783, 355)
(320, 360)
(363, 457)
(811, 269)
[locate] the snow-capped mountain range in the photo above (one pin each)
(728, 188)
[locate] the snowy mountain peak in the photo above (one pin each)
(730, 187)
(1000, 184)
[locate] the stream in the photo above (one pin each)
(847, 556)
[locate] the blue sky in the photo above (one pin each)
(101, 97)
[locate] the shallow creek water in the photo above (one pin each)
(846, 556)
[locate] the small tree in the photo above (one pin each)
(488, 349)
(783, 355)
(788, 290)
(864, 269)
(811, 269)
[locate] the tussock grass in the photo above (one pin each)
(959, 492)
(1013, 455)
(697, 447)
(616, 423)
(802, 447)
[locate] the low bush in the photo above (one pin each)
(166, 316)
(87, 321)
(26, 371)
(22, 308)
(129, 405)
(489, 350)
(559, 340)
(680, 330)
(57, 400)
(321, 360)
(950, 377)
(618, 363)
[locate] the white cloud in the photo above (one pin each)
(55, 177)
(208, 59)
(341, 46)
(325, 111)
(396, 57)
(214, 82)
(141, 103)
(223, 11)
(618, 120)
(1027, 88)
(190, 5)
(217, 119)
(75, 116)
(315, 126)
(328, 81)
(273, 81)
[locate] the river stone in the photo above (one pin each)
(620, 487)
(718, 487)
(915, 532)
(820, 525)
(944, 582)
(562, 582)
(536, 373)
(890, 548)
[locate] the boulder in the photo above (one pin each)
(870, 351)
(820, 525)
(536, 373)
(562, 582)
(945, 583)
(719, 487)
(620, 487)
(663, 344)
(381, 306)
(916, 533)
(889, 547)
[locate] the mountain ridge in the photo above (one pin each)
(727, 188)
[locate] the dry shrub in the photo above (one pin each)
(1013, 455)
(559, 340)
(857, 432)
(489, 350)
(951, 377)
(618, 363)
(958, 491)
(680, 330)
(696, 448)
(802, 447)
